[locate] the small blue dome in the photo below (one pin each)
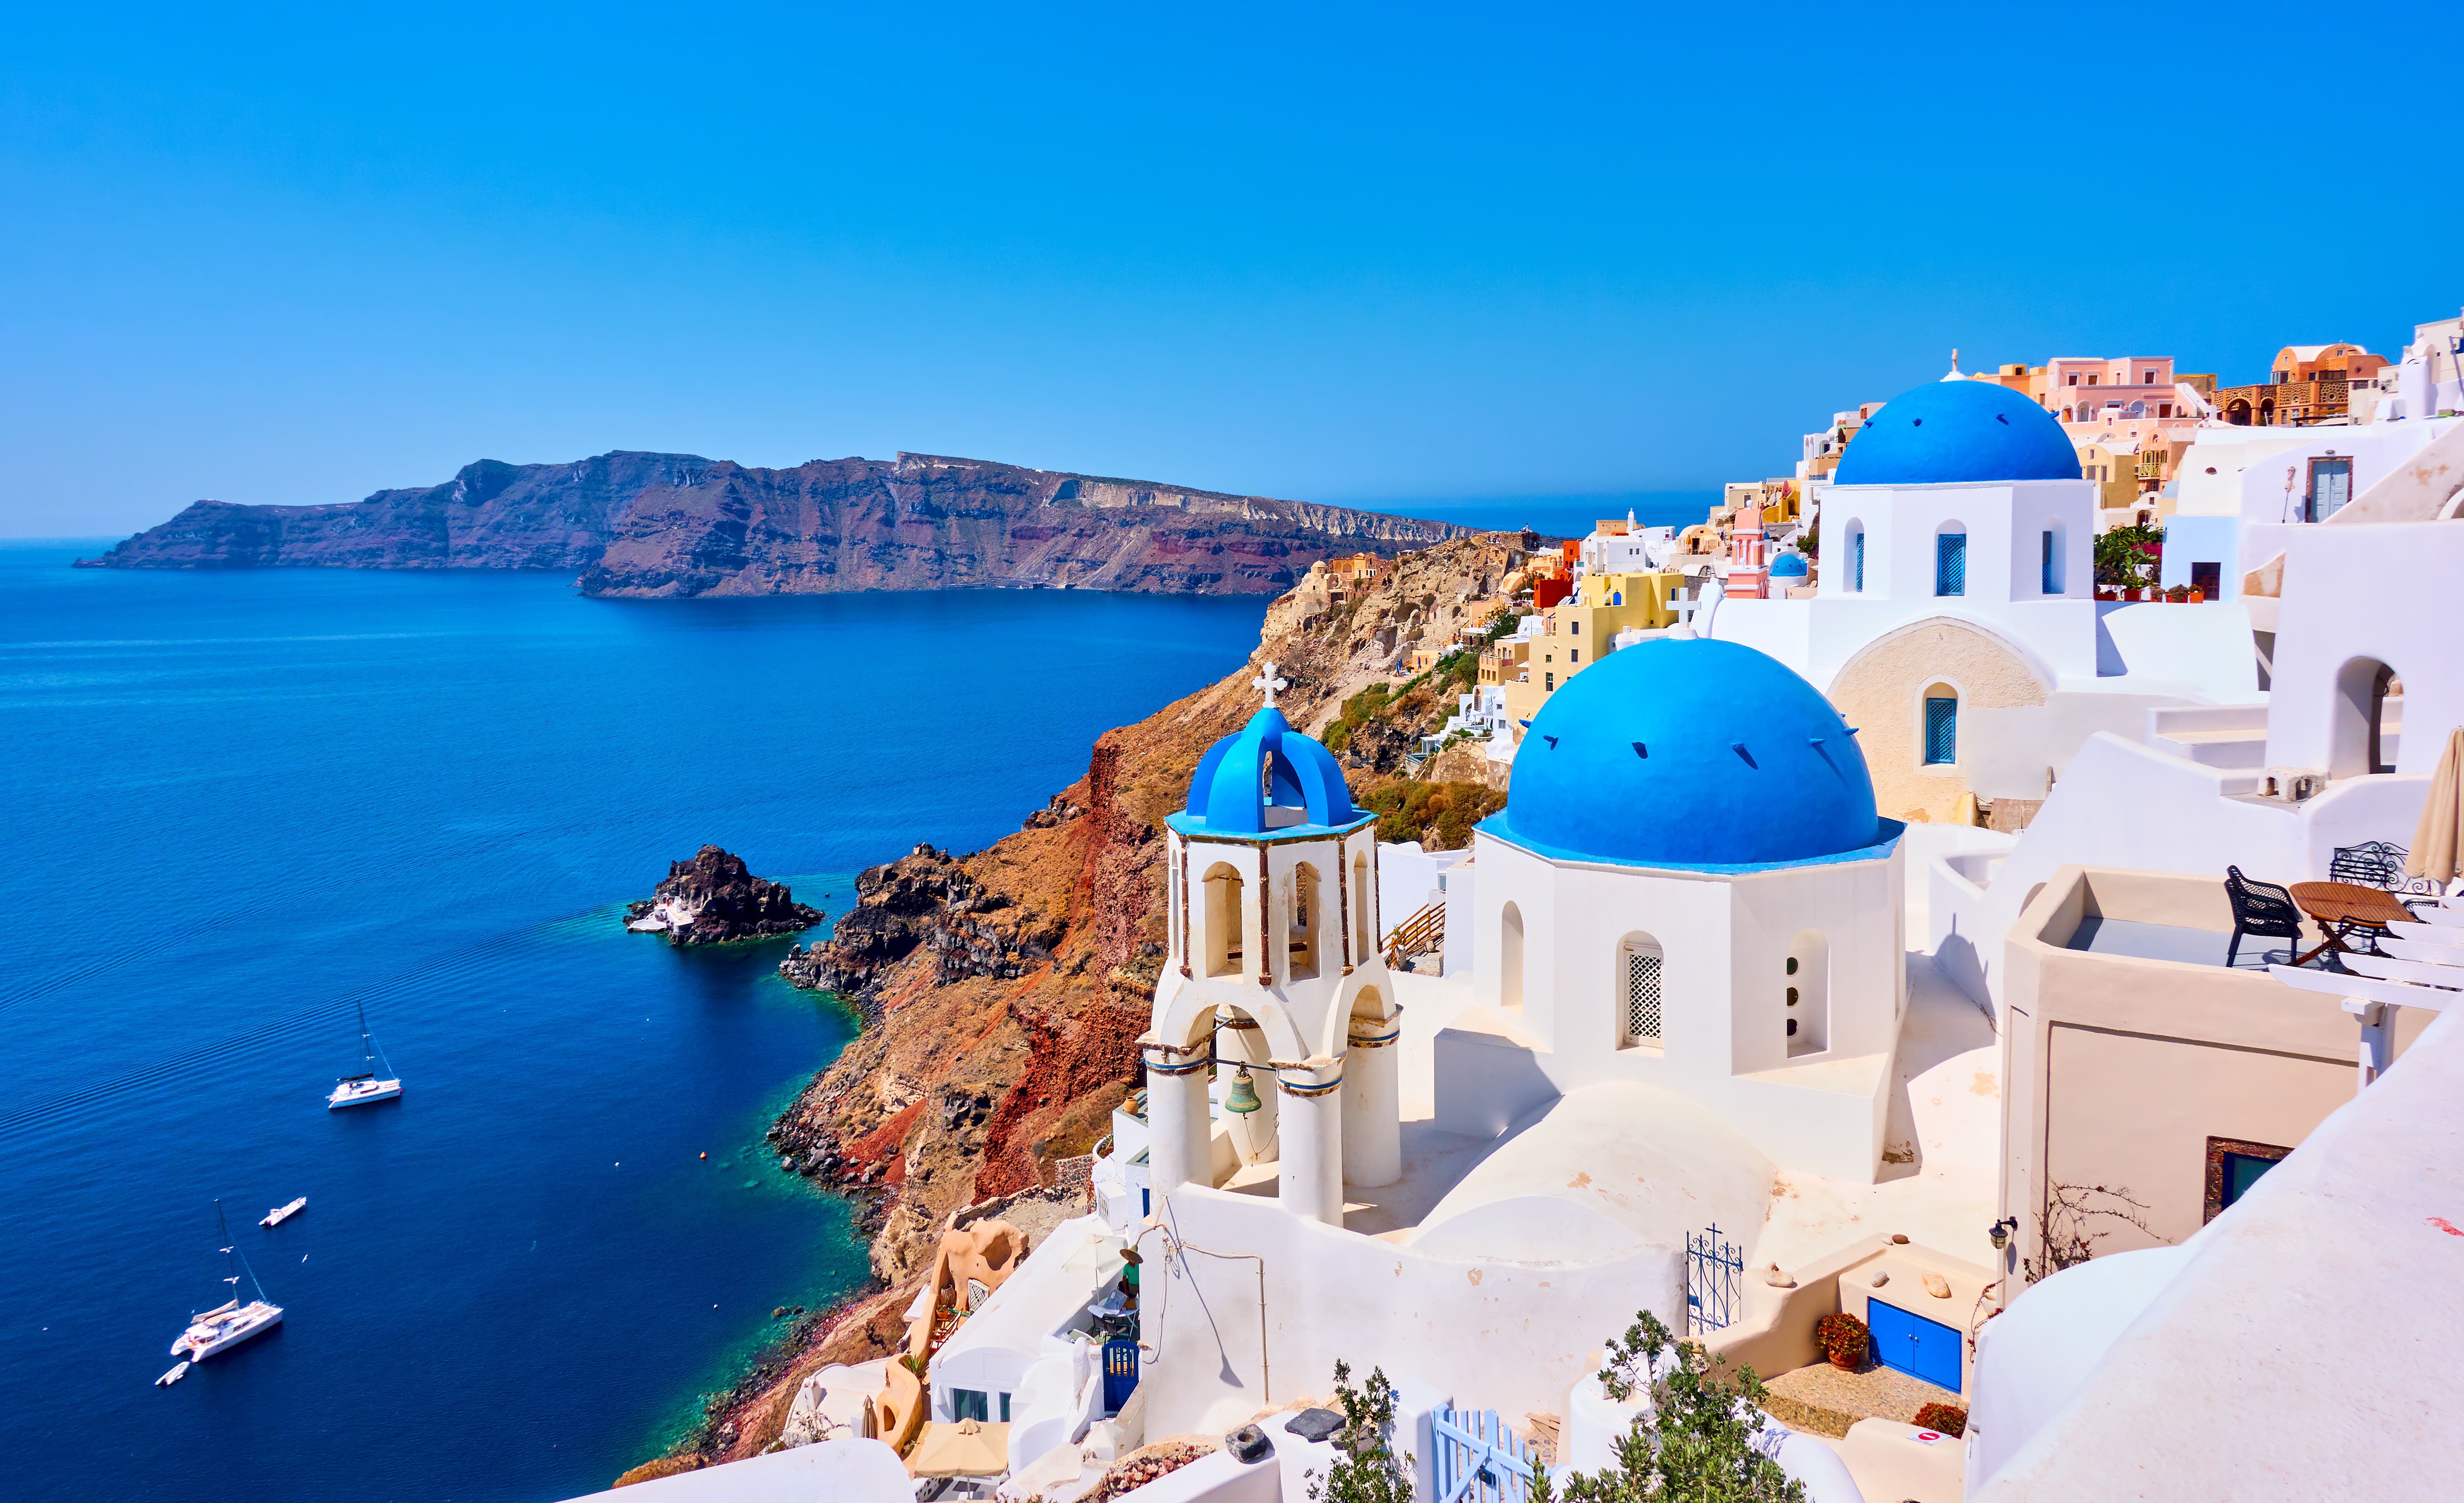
(1681, 753)
(1264, 779)
(1789, 566)
(1950, 431)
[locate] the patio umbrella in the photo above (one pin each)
(966, 1448)
(2436, 838)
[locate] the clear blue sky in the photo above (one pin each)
(1424, 252)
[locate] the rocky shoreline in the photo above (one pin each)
(1001, 994)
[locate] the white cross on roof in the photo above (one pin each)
(1267, 682)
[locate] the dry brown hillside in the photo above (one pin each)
(1003, 991)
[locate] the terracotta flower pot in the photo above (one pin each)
(2131, 594)
(2198, 596)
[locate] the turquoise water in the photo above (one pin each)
(238, 803)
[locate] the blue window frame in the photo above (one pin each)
(1911, 1343)
(2051, 582)
(1861, 563)
(1951, 563)
(1942, 732)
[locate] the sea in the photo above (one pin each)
(238, 809)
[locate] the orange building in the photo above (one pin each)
(2308, 383)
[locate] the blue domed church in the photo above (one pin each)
(1273, 1014)
(1691, 888)
(1955, 584)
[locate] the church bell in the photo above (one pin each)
(1243, 1098)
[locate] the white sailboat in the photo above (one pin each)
(372, 1084)
(230, 1322)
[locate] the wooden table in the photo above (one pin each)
(2341, 907)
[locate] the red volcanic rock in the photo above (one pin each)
(668, 524)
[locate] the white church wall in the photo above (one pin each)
(1507, 1336)
(1816, 1112)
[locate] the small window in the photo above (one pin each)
(2209, 579)
(970, 1403)
(1941, 731)
(2163, 409)
(1951, 563)
(2234, 1167)
(1551, 681)
(2051, 582)
(1575, 656)
(1642, 1022)
(1860, 562)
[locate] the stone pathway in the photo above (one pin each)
(1826, 1401)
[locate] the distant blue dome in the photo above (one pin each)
(1266, 778)
(1789, 566)
(1681, 753)
(1948, 431)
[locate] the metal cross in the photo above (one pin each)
(1267, 682)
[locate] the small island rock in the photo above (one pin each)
(713, 899)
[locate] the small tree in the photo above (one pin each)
(2074, 1219)
(1366, 1468)
(2126, 557)
(1697, 1441)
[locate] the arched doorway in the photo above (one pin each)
(2369, 719)
(1223, 910)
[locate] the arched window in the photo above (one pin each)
(1855, 533)
(1303, 924)
(1808, 979)
(1951, 558)
(1641, 967)
(1222, 920)
(1509, 959)
(1364, 919)
(1941, 725)
(2051, 581)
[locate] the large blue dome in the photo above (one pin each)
(1948, 431)
(1681, 753)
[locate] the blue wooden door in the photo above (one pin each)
(1120, 1373)
(1912, 1344)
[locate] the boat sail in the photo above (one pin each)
(372, 1084)
(230, 1322)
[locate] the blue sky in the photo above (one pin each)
(1407, 253)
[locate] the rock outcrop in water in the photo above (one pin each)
(669, 525)
(713, 900)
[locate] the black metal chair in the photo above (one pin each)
(2262, 909)
(2377, 863)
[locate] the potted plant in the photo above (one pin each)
(2179, 595)
(1843, 1339)
(1949, 1418)
(2133, 593)
(2198, 596)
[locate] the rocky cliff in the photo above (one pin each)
(713, 900)
(1004, 993)
(663, 525)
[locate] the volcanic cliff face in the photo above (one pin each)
(664, 525)
(1004, 993)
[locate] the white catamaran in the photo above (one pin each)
(372, 1084)
(230, 1322)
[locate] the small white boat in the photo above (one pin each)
(173, 1376)
(282, 1213)
(369, 1085)
(230, 1322)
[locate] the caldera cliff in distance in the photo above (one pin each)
(671, 524)
(714, 900)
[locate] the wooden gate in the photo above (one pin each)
(1479, 1459)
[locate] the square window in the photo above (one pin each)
(2234, 1167)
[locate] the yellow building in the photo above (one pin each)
(2114, 469)
(1578, 632)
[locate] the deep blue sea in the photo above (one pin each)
(234, 805)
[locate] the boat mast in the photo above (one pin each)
(367, 1050)
(230, 1250)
